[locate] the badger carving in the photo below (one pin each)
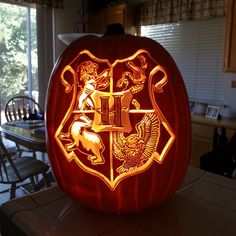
(78, 136)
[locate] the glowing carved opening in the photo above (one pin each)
(97, 132)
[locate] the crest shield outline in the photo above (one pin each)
(94, 109)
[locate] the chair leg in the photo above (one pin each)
(13, 191)
(46, 179)
(18, 149)
(19, 153)
(34, 155)
(32, 180)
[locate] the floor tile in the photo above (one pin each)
(6, 195)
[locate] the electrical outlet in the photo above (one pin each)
(233, 84)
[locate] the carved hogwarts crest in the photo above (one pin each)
(113, 127)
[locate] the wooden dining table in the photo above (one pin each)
(25, 134)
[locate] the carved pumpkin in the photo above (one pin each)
(118, 123)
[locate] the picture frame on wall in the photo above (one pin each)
(212, 111)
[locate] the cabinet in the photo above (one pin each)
(203, 132)
(123, 14)
(230, 39)
(202, 137)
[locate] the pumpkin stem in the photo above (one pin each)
(114, 29)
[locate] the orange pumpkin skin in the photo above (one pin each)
(113, 183)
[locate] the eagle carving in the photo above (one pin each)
(135, 149)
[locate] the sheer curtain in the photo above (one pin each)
(170, 11)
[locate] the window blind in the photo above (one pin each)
(198, 49)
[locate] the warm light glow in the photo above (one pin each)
(100, 111)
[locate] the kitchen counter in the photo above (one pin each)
(204, 205)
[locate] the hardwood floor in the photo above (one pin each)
(6, 195)
(19, 192)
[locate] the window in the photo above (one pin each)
(198, 49)
(18, 53)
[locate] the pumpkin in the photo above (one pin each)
(118, 123)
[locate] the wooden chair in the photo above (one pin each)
(22, 108)
(16, 171)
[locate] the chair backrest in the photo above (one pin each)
(21, 107)
(8, 170)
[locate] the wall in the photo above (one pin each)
(230, 95)
(45, 50)
(50, 24)
(64, 22)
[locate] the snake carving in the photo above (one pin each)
(136, 75)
